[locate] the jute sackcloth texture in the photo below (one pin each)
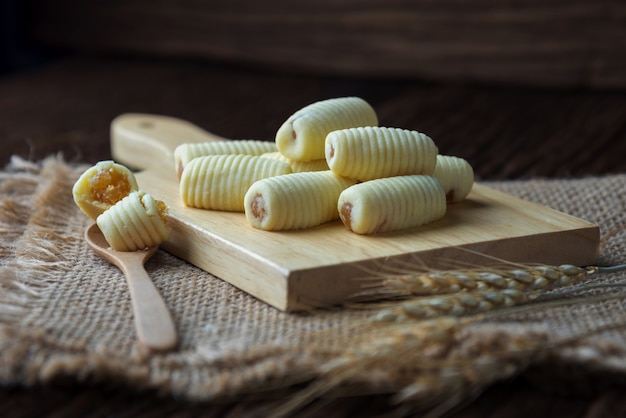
(65, 312)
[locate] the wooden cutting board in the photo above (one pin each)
(325, 265)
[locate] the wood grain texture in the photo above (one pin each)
(548, 43)
(324, 265)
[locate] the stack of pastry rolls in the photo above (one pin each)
(330, 160)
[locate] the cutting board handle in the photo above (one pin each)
(141, 141)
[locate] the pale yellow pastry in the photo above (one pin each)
(101, 186)
(301, 137)
(295, 201)
(372, 152)
(299, 166)
(456, 176)
(136, 222)
(391, 204)
(187, 152)
(220, 182)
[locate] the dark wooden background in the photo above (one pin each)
(539, 42)
(522, 89)
(506, 132)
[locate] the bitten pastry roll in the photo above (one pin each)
(456, 176)
(101, 186)
(368, 153)
(220, 182)
(136, 222)
(295, 201)
(187, 152)
(301, 137)
(299, 166)
(392, 203)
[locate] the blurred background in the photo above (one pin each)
(512, 86)
(575, 43)
(520, 88)
(19, 51)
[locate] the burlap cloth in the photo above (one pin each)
(65, 313)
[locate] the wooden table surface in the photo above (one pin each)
(505, 132)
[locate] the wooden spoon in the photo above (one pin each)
(153, 321)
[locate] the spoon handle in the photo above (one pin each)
(153, 321)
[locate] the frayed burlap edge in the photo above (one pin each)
(31, 356)
(33, 189)
(29, 259)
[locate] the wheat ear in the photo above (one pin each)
(452, 281)
(410, 279)
(472, 303)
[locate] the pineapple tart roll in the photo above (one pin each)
(301, 137)
(391, 204)
(294, 201)
(372, 152)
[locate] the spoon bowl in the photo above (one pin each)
(153, 321)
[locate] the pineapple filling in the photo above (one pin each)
(109, 186)
(152, 206)
(346, 214)
(163, 209)
(259, 210)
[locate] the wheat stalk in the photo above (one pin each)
(465, 374)
(429, 294)
(412, 347)
(452, 281)
(459, 304)
(376, 349)
(430, 365)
